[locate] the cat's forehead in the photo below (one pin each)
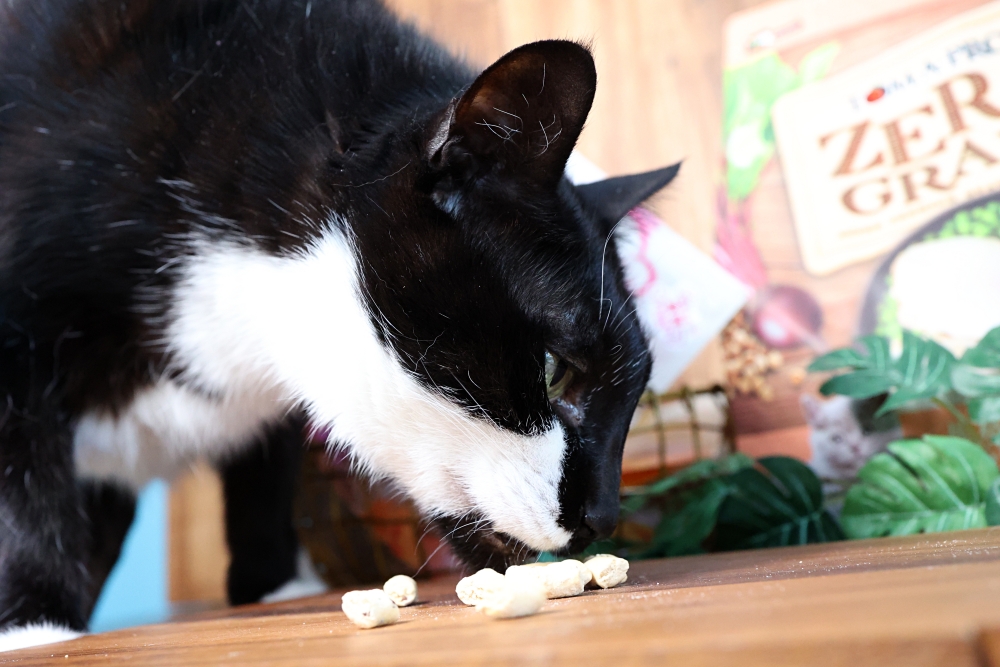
(550, 253)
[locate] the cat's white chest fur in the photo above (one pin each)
(164, 428)
(269, 333)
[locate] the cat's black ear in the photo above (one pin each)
(521, 117)
(612, 198)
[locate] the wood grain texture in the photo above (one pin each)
(198, 556)
(911, 601)
(989, 647)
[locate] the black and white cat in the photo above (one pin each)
(222, 218)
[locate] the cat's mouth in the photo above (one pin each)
(473, 539)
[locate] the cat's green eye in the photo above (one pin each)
(558, 375)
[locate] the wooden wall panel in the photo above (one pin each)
(197, 545)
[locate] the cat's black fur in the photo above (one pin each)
(127, 127)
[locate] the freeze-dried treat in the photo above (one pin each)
(586, 576)
(401, 589)
(608, 570)
(558, 580)
(515, 598)
(369, 609)
(475, 588)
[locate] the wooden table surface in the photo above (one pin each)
(914, 601)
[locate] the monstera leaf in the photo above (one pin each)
(683, 530)
(723, 504)
(922, 371)
(699, 471)
(977, 377)
(779, 502)
(921, 486)
(986, 354)
(993, 504)
(690, 501)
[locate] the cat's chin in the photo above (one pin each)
(474, 541)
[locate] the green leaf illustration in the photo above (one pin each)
(749, 92)
(921, 486)
(815, 64)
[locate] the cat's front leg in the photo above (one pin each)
(259, 485)
(46, 591)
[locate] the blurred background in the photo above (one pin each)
(825, 146)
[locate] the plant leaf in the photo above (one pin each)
(924, 371)
(683, 532)
(986, 354)
(985, 410)
(879, 358)
(930, 485)
(859, 384)
(778, 503)
(993, 504)
(975, 381)
(700, 470)
(846, 357)
(876, 356)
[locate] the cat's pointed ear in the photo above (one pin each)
(810, 407)
(613, 198)
(521, 117)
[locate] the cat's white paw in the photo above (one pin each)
(305, 583)
(34, 634)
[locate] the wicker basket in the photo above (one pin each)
(673, 430)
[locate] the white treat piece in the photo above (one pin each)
(516, 598)
(608, 570)
(477, 587)
(402, 589)
(558, 580)
(369, 609)
(585, 574)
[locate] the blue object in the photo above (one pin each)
(136, 590)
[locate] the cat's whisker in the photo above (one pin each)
(604, 254)
(428, 559)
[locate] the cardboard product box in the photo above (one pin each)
(862, 156)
